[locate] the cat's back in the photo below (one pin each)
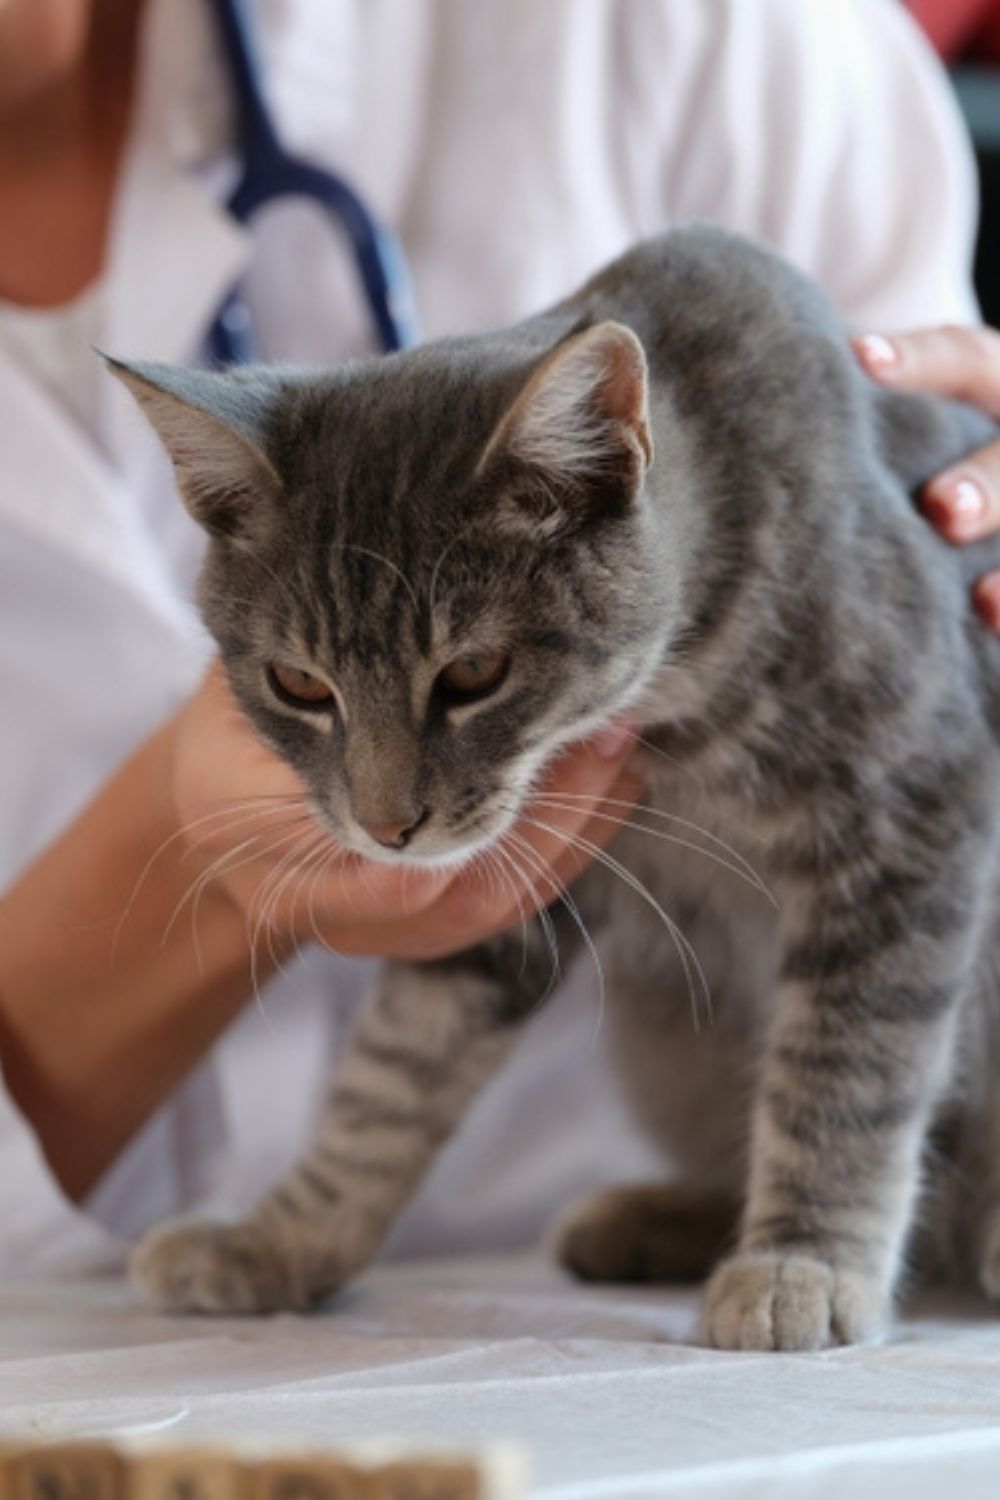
(745, 350)
(746, 344)
(707, 289)
(720, 313)
(755, 359)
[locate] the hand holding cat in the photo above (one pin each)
(241, 810)
(963, 363)
(203, 830)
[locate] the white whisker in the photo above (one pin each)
(544, 920)
(432, 586)
(742, 869)
(574, 911)
(222, 866)
(685, 952)
(179, 833)
(304, 853)
(378, 557)
(497, 856)
(334, 856)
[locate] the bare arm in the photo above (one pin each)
(106, 999)
(94, 1033)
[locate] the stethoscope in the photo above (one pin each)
(270, 172)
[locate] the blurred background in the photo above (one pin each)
(966, 33)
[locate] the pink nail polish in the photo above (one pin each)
(966, 500)
(957, 506)
(986, 598)
(878, 353)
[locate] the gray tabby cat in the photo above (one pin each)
(466, 556)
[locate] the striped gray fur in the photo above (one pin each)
(765, 596)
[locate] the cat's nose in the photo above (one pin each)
(396, 835)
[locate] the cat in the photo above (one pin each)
(672, 495)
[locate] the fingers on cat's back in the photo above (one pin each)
(955, 361)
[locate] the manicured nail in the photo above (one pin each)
(878, 354)
(613, 739)
(967, 499)
(958, 506)
(986, 598)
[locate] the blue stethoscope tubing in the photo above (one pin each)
(269, 172)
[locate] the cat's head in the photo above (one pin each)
(425, 573)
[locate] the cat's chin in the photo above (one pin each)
(439, 859)
(452, 857)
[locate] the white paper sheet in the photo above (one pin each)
(602, 1386)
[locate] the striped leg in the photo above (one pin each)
(425, 1045)
(860, 1049)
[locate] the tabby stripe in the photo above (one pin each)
(321, 1186)
(430, 1071)
(350, 1163)
(812, 1123)
(895, 1004)
(366, 1112)
(783, 1184)
(834, 1062)
(818, 958)
(790, 1230)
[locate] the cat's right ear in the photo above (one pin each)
(210, 425)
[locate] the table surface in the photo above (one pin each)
(602, 1386)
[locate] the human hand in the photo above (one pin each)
(963, 502)
(241, 811)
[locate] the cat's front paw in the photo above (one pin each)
(989, 1260)
(219, 1268)
(769, 1300)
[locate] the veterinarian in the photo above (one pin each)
(964, 364)
(514, 147)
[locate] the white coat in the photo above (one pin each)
(515, 145)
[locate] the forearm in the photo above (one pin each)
(104, 1004)
(107, 1001)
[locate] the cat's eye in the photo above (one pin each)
(474, 676)
(300, 689)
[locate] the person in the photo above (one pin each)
(964, 364)
(514, 148)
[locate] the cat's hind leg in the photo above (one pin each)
(654, 1233)
(686, 1076)
(971, 1168)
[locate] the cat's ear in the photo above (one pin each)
(578, 433)
(210, 425)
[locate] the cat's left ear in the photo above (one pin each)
(578, 433)
(211, 425)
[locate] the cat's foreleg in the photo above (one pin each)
(428, 1040)
(876, 960)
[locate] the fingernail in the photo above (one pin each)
(878, 354)
(957, 506)
(613, 739)
(967, 499)
(986, 598)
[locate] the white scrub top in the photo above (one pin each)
(515, 146)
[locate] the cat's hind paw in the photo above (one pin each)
(218, 1268)
(989, 1260)
(654, 1233)
(768, 1300)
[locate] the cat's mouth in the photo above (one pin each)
(432, 846)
